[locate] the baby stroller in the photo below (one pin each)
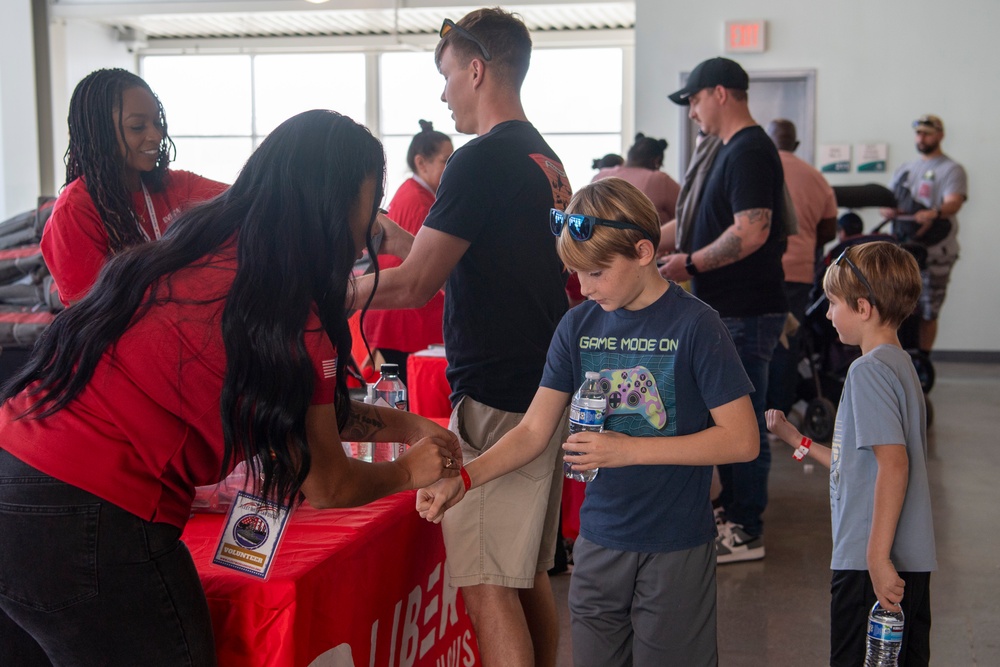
(825, 359)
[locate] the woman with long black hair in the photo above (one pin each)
(119, 190)
(221, 343)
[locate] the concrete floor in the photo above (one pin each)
(775, 612)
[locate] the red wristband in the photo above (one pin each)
(466, 480)
(803, 449)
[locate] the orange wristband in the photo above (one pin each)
(803, 449)
(466, 480)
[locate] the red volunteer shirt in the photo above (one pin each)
(147, 428)
(75, 243)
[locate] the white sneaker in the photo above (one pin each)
(734, 545)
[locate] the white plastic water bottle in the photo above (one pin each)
(885, 637)
(366, 450)
(586, 413)
(390, 392)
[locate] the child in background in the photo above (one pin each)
(119, 189)
(643, 586)
(883, 535)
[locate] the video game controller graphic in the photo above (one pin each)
(633, 391)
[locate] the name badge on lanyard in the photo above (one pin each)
(152, 216)
(251, 535)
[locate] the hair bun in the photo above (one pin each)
(640, 136)
(662, 144)
(426, 125)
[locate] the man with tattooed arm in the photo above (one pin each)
(734, 266)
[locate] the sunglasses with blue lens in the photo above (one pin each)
(581, 227)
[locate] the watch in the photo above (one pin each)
(689, 266)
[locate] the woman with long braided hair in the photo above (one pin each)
(119, 189)
(220, 343)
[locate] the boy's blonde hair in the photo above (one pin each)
(611, 199)
(892, 273)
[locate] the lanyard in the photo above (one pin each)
(152, 216)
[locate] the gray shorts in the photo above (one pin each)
(643, 608)
(935, 278)
(503, 532)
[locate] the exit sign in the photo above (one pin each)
(745, 36)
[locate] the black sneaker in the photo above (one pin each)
(734, 545)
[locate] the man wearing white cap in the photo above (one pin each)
(932, 188)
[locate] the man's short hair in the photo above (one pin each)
(502, 33)
(610, 199)
(892, 273)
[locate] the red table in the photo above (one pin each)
(427, 387)
(349, 588)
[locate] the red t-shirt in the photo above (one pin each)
(147, 428)
(413, 329)
(75, 243)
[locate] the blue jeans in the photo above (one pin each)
(744, 485)
(84, 582)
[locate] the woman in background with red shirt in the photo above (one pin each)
(119, 189)
(397, 333)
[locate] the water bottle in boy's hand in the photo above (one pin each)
(885, 636)
(586, 413)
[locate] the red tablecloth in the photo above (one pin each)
(345, 584)
(427, 387)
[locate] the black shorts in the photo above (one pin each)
(852, 598)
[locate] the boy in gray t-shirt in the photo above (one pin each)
(883, 534)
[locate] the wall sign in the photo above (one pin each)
(871, 157)
(834, 158)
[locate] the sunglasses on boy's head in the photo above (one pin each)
(864, 281)
(581, 227)
(450, 25)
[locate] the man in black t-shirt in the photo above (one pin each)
(487, 241)
(735, 266)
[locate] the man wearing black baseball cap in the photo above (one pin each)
(737, 240)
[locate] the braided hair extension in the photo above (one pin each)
(95, 152)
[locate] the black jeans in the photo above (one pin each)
(84, 582)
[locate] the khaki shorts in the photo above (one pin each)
(503, 532)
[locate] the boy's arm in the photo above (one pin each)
(781, 427)
(890, 489)
(733, 438)
(519, 446)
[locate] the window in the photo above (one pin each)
(217, 121)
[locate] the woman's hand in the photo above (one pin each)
(590, 450)
(428, 461)
(419, 428)
(433, 500)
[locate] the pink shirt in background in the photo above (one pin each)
(814, 201)
(658, 186)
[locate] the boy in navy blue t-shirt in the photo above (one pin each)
(643, 586)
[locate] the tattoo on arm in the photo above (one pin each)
(731, 246)
(363, 423)
(723, 251)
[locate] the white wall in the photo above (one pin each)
(18, 121)
(879, 66)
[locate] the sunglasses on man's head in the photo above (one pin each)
(581, 227)
(450, 25)
(864, 281)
